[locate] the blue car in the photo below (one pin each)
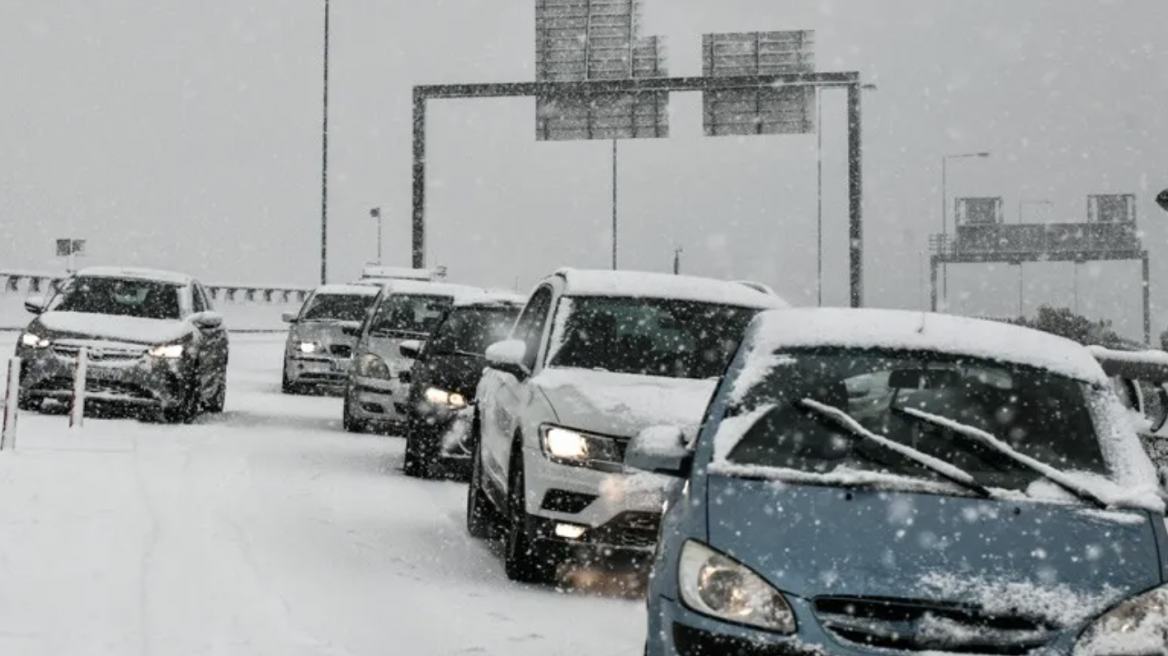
(875, 482)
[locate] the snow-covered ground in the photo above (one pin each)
(266, 530)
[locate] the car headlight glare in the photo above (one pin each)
(436, 396)
(167, 351)
(716, 585)
(571, 447)
(308, 347)
(371, 366)
(1136, 626)
(34, 341)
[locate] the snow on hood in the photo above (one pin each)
(622, 405)
(107, 326)
(1057, 604)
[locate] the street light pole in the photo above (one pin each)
(945, 217)
(819, 196)
(376, 214)
(614, 204)
(324, 157)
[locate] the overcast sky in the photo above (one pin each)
(187, 135)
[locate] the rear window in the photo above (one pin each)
(470, 330)
(409, 315)
(337, 307)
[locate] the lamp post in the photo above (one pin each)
(819, 188)
(375, 213)
(324, 157)
(945, 213)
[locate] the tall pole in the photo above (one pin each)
(418, 240)
(376, 214)
(677, 261)
(324, 157)
(819, 196)
(1021, 289)
(855, 196)
(614, 199)
(944, 229)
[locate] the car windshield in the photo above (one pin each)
(653, 337)
(146, 299)
(470, 330)
(1038, 413)
(337, 307)
(411, 315)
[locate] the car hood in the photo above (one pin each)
(453, 373)
(326, 332)
(622, 405)
(1058, 564)
(131, 330)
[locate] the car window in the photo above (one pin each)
(409, 315)
(470, 330)
(530, 325)
(147, 299)
(654, 337)
(337, 307)
(1039, 413)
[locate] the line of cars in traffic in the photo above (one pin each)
(797, 481)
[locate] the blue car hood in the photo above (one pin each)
(1062, 564)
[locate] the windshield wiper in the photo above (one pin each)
(467, 354)
(945, 470)
(395, 332)
(1042, 469)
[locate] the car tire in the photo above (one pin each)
(26, 403)
(187, 409)
(351, 423)
(482, 519)
(524, 560)
(288, 387)
(419, 461)
(219, 401)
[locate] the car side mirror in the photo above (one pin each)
(290, 317)
(411, 348)
(1162, 200)
(508, 356)
(35, 304)
(207, 320)
(661, 450)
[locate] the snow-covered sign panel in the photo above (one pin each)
(781, 110)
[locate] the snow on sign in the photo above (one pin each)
(741, 112)
(582, 40)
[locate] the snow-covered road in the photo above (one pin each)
(266, 530)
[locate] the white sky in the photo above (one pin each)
(187, 135)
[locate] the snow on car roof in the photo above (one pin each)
(642, 284)
(492, 297)
(347, 290)
(902, 329)
(133, 273)
(425, 288)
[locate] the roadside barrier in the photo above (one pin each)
(77, 410)
(11, 406)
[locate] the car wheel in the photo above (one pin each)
(217, 402)
(186, 410)
(351, 423)
(523, 559)
(26, 403)
(287, 386)
(419, 460)
(482, 519)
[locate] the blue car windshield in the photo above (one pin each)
(1037, 412)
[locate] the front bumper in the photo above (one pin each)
(318, 369)
(125, 376)
(378, 402)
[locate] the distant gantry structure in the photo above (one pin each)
(983, 237)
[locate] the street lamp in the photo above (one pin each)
(376, 214)
(945, 213)
(324, 157)
(1023, 203)
(819, 187)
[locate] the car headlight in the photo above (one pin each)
(167, 351)
(371, 366)
(437, 396)
(308, 347)
(34, 341)
(716, 585)
(570, 447)
(1135, 627)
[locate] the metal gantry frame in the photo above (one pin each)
(599, 88)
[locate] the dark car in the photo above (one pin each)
(152, 340)
(443, 381)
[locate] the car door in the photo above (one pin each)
(502, 395)
(213, 360)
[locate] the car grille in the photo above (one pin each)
(628, 529)
(98, 354)
(95, 386)
(341, 350)
(928, 626)
(695, 642)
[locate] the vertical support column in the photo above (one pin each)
(1147, 301)
(933, 282)
(11, 406)
(419, 219)
(324, 157)
(856, 196)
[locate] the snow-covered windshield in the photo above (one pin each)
(145, 299)
(412, 315)
(1038, 413)
(653, 337)
(470, 330)
(337, 307)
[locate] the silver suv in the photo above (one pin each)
(595, 358)
(323, 334)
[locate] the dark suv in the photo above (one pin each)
(443, 381)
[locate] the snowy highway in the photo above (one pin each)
(264, 530)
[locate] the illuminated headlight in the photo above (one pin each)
(571, 447)
(437, 396)
(308, 347)
(34, 341)
(1135, 627)
(371, 366)
(719, 586)
(167, 351)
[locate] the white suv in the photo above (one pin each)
(595, 358)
